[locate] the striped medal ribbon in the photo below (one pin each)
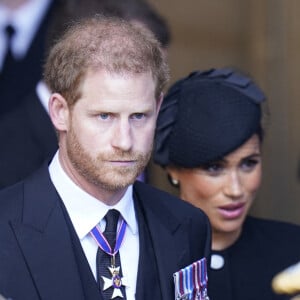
(191, 282)
(116, 281)
(104, 244)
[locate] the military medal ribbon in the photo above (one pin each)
(191, 282)
(104, 244)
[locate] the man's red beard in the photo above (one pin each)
(100, 171)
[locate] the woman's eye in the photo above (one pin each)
(213, 169)
(249, 164)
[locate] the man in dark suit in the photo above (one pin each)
(23, 67)
(81, 227)
(26, 129)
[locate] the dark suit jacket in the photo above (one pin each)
(28, 139)
(37, 260)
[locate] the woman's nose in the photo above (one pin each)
(234, 186)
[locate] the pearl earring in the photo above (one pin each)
(175, 182)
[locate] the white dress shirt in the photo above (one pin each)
(86, 212)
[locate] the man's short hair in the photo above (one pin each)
(103, 43)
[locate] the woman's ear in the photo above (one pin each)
(173, 176)
(59, 112)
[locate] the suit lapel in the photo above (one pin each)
(168, 237)
(45, 242)
(148, 285)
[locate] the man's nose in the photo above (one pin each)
(122, 136)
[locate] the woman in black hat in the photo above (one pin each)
(208, 138)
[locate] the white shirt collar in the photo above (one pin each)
(84, 210)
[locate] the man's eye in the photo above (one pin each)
(138, 116)
(104, 116)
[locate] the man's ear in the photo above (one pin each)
(59, 112)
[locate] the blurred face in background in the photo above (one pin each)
(224, 189)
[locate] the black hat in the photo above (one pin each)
(205, 116)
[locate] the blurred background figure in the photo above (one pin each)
(209, 140)
(23, 25)
(27, 130)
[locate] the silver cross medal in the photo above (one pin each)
(116, 281)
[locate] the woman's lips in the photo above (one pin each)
(232, 211)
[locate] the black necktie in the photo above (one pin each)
(104, 260)
(9, 59)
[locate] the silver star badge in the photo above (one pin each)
(116, 281)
